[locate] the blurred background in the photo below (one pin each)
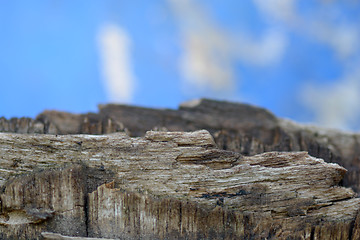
(299, 59)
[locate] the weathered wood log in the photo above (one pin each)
(237, 127)
(167, 185)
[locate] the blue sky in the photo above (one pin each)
(299, 59)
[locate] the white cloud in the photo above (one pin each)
(114, 46)
(207, 59)
(319, 24)
(335, 105)
(210, 52)
(343, 39)
(268, 50)
(207, 62)
(284, 10)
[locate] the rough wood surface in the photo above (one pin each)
(167, 185)
(237, 127)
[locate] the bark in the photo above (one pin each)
(166, 185)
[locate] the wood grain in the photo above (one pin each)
(167, 185)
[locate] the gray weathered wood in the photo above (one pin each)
(242, 128)
(167, 185)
